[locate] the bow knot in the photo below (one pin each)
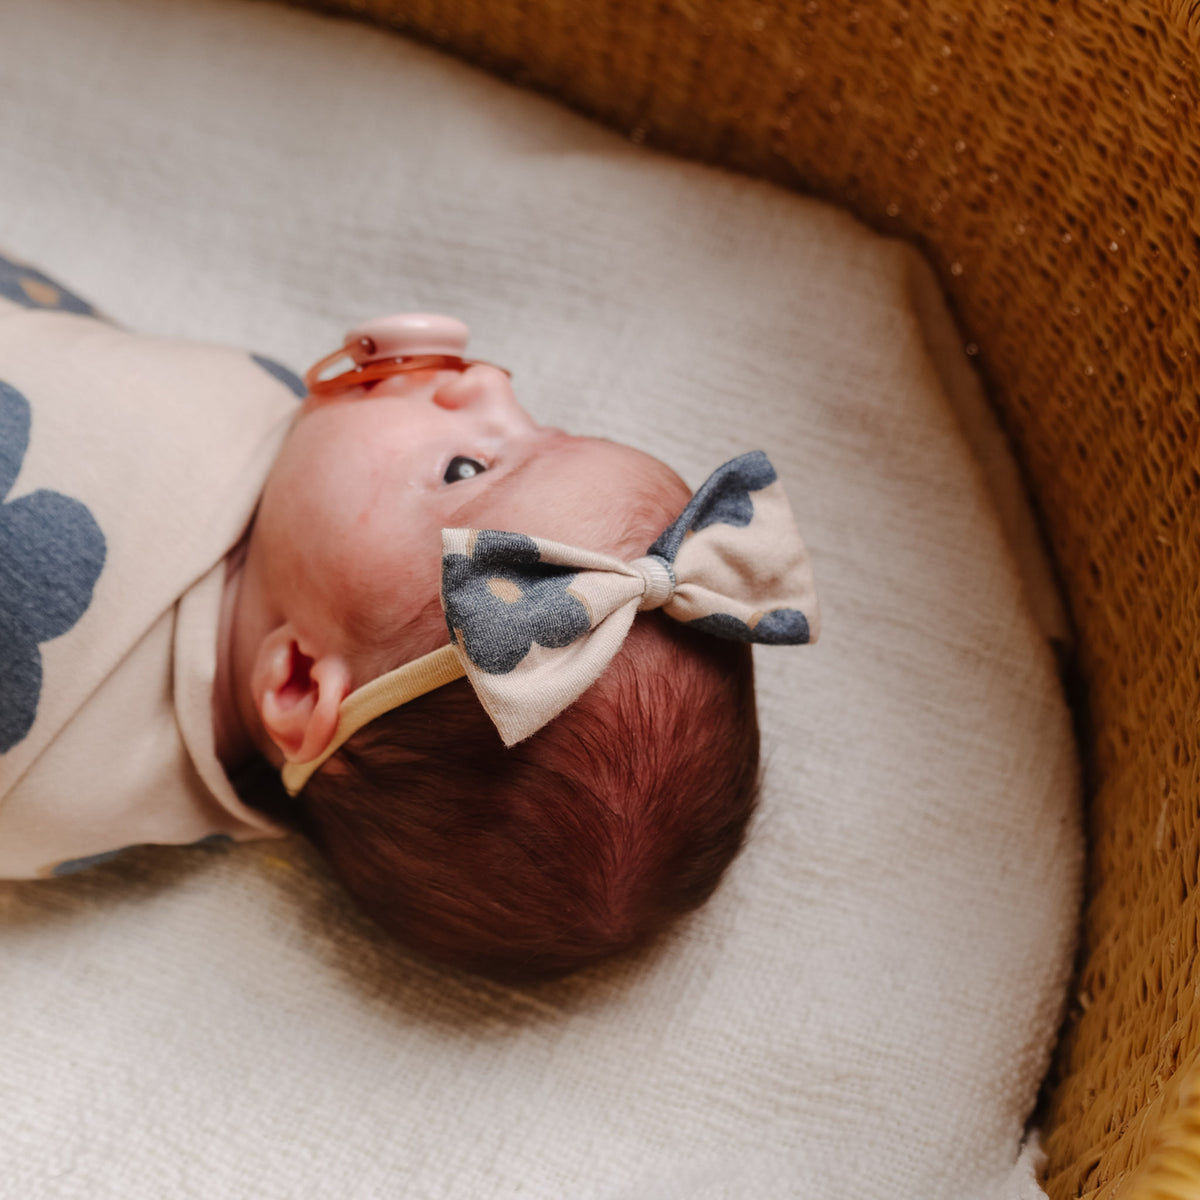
(659, 579)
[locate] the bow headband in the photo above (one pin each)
(533, 623)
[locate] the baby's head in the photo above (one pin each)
(580, 841)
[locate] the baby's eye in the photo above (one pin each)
(461, 468)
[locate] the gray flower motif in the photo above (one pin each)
(285, 375)
(502, 598)
(51, 554)
(778, 627)
(723, 499)
(28, 287)
(72, 866)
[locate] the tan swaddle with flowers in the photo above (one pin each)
(129, 467)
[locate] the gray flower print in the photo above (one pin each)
(502, 599)
(30, 288)
(779, 627)
(723, 499)
(51, 554)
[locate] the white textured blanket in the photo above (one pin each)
(866, 1007)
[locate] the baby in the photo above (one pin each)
(522, 751)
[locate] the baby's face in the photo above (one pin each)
(347, 541)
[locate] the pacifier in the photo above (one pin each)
(388, 346)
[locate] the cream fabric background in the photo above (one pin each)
(866, 1007)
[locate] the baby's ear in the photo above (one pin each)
(297, 694)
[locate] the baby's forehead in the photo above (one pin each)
(585, 490)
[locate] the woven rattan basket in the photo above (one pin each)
(1046, 157)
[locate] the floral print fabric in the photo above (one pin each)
(536, 622)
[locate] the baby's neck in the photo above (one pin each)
(233, 743)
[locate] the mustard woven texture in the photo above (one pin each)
(1045, 156)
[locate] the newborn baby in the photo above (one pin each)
(522, 751)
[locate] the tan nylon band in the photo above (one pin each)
(377, 697)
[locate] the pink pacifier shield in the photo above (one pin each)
(406, 334)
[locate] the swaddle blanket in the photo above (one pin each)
(129, 466)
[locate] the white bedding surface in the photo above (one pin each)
(866, 1007)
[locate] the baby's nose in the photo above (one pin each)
(480, 384)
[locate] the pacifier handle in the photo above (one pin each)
(390, 346)
(405, 335)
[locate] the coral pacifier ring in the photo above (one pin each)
(394, 345)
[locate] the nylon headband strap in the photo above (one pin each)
(373, 699)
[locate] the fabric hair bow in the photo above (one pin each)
(533, 623)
